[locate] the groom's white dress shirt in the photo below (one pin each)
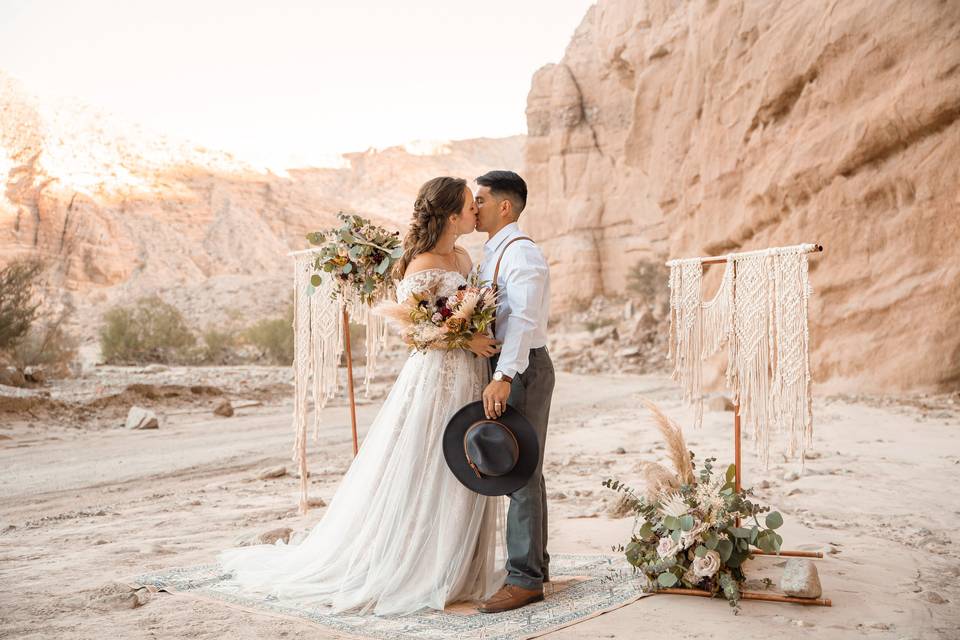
(524, 305)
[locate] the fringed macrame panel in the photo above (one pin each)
(318, 329)
(760, 313)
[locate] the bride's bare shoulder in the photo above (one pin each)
(424, 262)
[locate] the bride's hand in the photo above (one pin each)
(483, 346)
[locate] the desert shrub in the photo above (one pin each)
(18, 305)
(150, 330)
(219, 347)
(648, 280)
(47, 345)
(273, 338)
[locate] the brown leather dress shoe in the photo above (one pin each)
(510, 596)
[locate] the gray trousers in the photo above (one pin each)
(528, 563)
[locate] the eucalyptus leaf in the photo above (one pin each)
(700, 551)
(646, 530)
(739, 532)
(731, 473)
(686, 522)
(315, 280)
(347, 268)
(774, 520)
(667, 579)
(671, 522)
(724, 548)
(753, 534)
(711, 540)
(397, 253)
(383, 266)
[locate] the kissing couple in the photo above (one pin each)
(402, 533)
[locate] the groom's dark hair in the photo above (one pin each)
(506, 184)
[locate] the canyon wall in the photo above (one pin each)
(675, 129)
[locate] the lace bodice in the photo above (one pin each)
(441, 282)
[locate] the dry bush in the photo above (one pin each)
(150, 330)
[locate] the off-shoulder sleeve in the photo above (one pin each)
(426, 281)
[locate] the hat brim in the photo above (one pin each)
(527, 441)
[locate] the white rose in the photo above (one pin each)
(707, 565)
(667, 548)
(437, 317)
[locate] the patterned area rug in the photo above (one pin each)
(583, 587)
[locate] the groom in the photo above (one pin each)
(523, 373)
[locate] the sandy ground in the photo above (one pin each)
(85, 509)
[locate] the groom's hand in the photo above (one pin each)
(495, 398)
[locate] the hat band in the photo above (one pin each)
(474, 426)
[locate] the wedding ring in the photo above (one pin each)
(497, 404)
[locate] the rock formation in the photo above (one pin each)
(692, 128)
(119, 212)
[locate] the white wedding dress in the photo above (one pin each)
(401, 533)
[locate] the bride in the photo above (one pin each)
(401, 533)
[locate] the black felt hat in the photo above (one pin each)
(492, 457)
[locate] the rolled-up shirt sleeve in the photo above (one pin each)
(524, 282)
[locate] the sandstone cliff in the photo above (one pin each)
(691, 128)
(119, 212)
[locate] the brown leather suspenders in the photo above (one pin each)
(496, 273)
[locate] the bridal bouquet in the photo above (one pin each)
(689, 535)
(443, 322)
(359, 256)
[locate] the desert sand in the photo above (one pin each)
(86, 506)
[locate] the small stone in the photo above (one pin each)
(557, 495)
(316, 503)
(12, 377)
(35, 374)
(271, 472)
(790, 476)
(720, 403)
(800, 579)
(763, 484)
(140, 418)
(223, 408)
(155, 368)
(794, 492)
(934, 598)
(628, 352)
(620, 450)
(812, 455)
(266, 537)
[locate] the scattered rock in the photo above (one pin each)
(271, 472)
(316, 503)
(119, 596)
(628, 352)
(934, 598)
(763, 484)
(35, 374)
(223, 408)
(557, 495)
(790, 476)
(155, 368)
(620, 450)
(794, 492)
(812, 455)
(720, 403)
(140, 418)
(155, 549)
(800, 579)
(12, 377)
(266, 537)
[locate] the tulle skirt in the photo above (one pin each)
(401, 533)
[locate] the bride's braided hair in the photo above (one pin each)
(437, 199)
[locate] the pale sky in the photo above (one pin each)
(291, 83)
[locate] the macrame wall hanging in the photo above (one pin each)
(760, 314)
(321, 335)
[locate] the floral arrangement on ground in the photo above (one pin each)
(358, 255)
(429, 321)
(694, 529)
